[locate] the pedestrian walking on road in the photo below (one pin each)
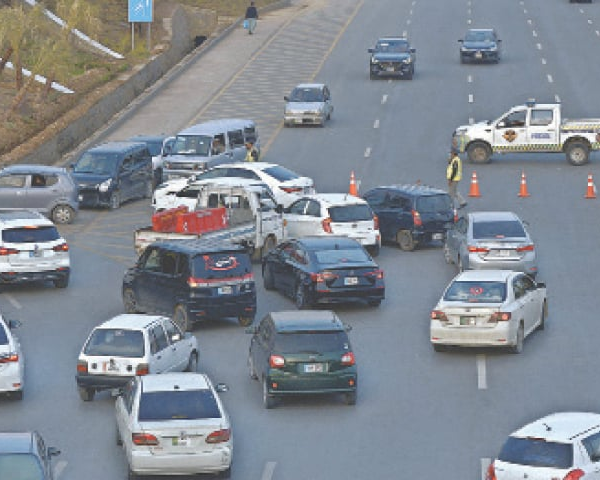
(454, 175)
(251, 18)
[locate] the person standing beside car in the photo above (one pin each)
(454, 175)
(251, 152)
(251, 17)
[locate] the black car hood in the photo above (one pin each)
(90, 178)
(390, 57)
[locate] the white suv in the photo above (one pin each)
(334, 213)
(130, 345)
(32, 249)
(563, 446)
(12, 365)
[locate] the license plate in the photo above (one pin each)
(437, 236)
(389, 69)
(503, 253)
(313, 368)
(478, 54)
(467, 320)
(351, 281)
(226, 290)
(181, 441)
(110, 367)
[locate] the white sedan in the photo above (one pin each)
(484, 308)
(174, 424)
(12, 366)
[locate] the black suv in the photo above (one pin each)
(411, 214)
(392, 57)
(304, 352)
(192, 280)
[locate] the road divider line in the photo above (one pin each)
(267, 473)
(534, 33)
(590, 21)
(543, 61)
(529, 21)
(470, 78)
(367, 152)
(550, 80)
(376, 123)
(13, 301)
(405, 33)
(598, 33)
(384, 99)
(408, 22)
(470, 98)
(481, 372)
(485, 463)
(539, 46)
(556, 98)
(471, 120)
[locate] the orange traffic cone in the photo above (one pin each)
(353, 190)
(523, 190)
(474, 190)
(591, 188)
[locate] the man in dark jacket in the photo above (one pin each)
(251, 17)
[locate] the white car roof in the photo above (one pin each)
(23, 218)
(246, 165)
(174, 381)
(333, 199)
(483, 276)
(130, 321)
(560, 427)
(310, 85)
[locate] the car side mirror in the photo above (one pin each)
(371, 50)
(252, 329)
(347, 327)
(413, 50)
(12, 324)
(221, 387)
(498, 41)
(286, 98)
(53, 451)
(279, 208)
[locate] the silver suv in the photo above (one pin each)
(32, 249)
(45, 189)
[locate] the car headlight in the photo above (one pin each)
(494, 48)
(374, 61)
(464, 49)
(407, 60)
(105, 185)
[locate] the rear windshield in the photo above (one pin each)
(350, 213)
(310, 341)
(500, 229)
(99, 163)
(281, 174)
(19, 466)
(537, 452)
(221, 265)
(476, 292)
(178, 405)
(30, 234)
(434, 203)
(115, 342)
(341, 256)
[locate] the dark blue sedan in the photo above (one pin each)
(322, 270)
(480, 45)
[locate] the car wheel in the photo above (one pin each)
(372, 76)
(115, 200)
(118, 439)
(350, 398)
(149, 189)
(62, 282)
(373, 250)
(411, 73)
(478, 152)
(447, 255)
(577, 153)
(251, 369)
(245, 320)
(518, 346)
(268, 280)
(192, 365)
(543, 314)
(270, 244)
(17, 395)
(129, 301)
(462, 59)
(268, 400)
(131, 476)
(182, 318)
(439, 348)
(86, 394)
(405, 240)
(225, 473)
(301, 297)
(63, 214)
(374, 303)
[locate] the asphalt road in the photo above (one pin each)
(419, 414)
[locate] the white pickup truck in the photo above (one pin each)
(253, 219)
(533, 127)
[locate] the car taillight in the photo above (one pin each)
(276, 361)
(377, 274)
(416, 218)
(491, 472)
(144, 439)
(11, 357)
(375, 222)
(476, 249)
(574, 474)
(63, 247)
(292, 189)
(438, 315)
(323, 277)
(455, 217)
(8, 251)
(326, 224)
(142, 369)
(348, 359)
(82, 366)
(500, 317)
(526, 248)
(219, 436)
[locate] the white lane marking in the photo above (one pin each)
(470, 78)
(598, 33)
(481, 372)
(556, 98)
(410, 12)
(589, 22)
(485, 463)
(525, 11)
(550, 80)
(539, 46)
(268, 471)
(384, 99)
(367, 152)
(470, 98)
(471, 120)
(534, 33)
(468, 11)
(405, 33)
(529, 21)
(13, 301)
(59, 468)
(376, 123)
(408, 22)
(469, 21)
(543, 61)
(581, 10)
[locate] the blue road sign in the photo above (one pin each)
(140, 11)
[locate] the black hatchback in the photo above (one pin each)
(192, 280)
(411, 215)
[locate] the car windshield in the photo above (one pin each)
(311, 341)
(482, 37)
(351, 213)
(308, 94)
(476, 292)
(97, 163)
(213, 266)
(30, 234)
(341, 256)
(498, 229)
(537, 452)
(20, 466)
(196, 145)
(115, 342)
(178, 405)
(391, 46)
(281, 174)
(434, 203)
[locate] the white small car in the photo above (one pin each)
(488, 308)
(308, 104)
(174, 424)
(336, 214)
(130, 345)
(12, 364)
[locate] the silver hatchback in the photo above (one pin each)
(308, 104)
(491, 240)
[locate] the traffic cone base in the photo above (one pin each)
(474, 190)
(591, 188)
(523, 189)
(353, 190)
